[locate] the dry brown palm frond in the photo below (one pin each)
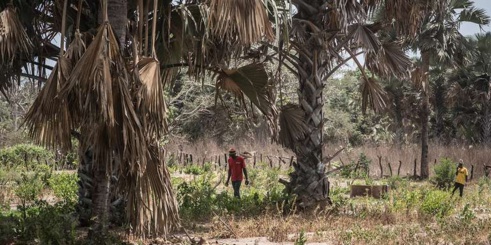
(48, 120)
(152, 207)
(243, 21)
(13, 37)
(292, 125)
(76, 48)
(151, 102)
(98, 96)
(252, 81)
(373, 95)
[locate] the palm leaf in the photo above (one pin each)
(14, 40)
(292, 125)
(98, 96)
(390, 60)
(76, 48)
(364, 37)
(373, 95)
(151, 104)
(242, 21)
(48, 120)
(252, 81)
(152, 207)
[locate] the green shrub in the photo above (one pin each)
(26, 156)
(65, 186)
(436, 203)
(29, 187)
(194, 170)
(467, 214)
(444, 173)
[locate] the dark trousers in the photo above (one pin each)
(460, 187)
(236, 186)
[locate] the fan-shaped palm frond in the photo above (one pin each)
(49, 120)
(252, 81)
(292, 125)
(373, 95)
(390, 60)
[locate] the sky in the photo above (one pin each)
(470, 29)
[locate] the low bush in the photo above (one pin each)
(65, 187)
(436, 203)
(444, 173)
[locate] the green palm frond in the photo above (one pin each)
(474, 15)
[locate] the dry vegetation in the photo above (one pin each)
(410, 214)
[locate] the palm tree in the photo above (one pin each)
(109, 91)
(324, 35)
(469, 90)
(439, 41)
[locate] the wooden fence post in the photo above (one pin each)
(225, 158)
(381, 168)
(399, 168)
(254, 160)
(390, 168)
(261, 157)
(472, 172)
(414, 170)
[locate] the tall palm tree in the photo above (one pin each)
(324, 35)
(439, 41)
(109, 90)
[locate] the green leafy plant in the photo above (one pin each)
(301, 240)
(65, 186)
(466, 215)
(436, 203)
(444, 173)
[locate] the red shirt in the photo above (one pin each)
(236, 165)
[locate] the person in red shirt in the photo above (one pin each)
(236, 165)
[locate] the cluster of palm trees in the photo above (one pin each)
(107, 86)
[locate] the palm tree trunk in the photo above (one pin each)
(425, 113)
(486, 124)
(309, 181)
(117, 14)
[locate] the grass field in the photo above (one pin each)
(412, 212)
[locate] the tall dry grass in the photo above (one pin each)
(389, 153)
(407, 154)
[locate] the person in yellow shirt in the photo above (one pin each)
(460, 178)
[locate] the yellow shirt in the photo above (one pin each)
(461, 174)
